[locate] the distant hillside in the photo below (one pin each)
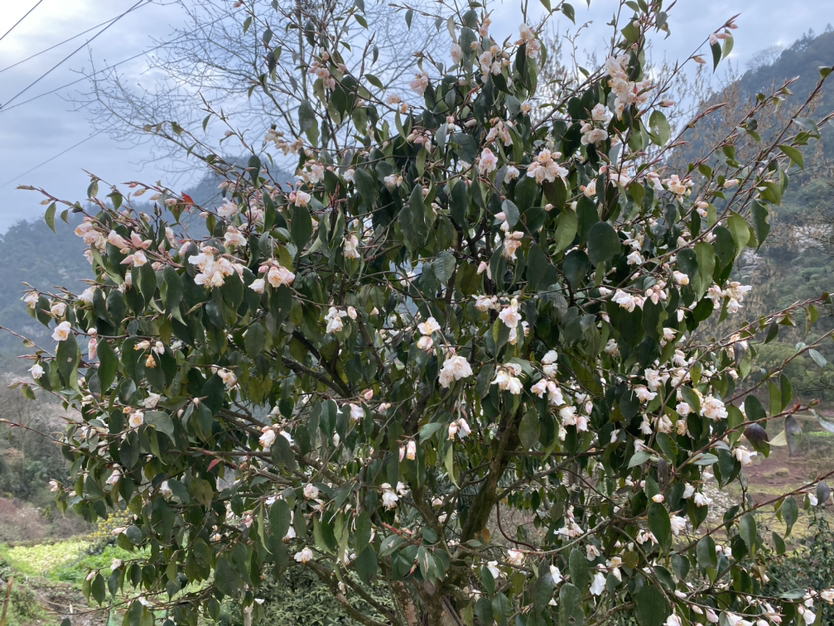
(797, 261)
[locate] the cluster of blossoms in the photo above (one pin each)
(213, 268)
(321, 70)
(454, 368)
(594, 130)
(427, 329)
(512, 239)
(492, 61)
(511, 317)
(276, 275)
(627, 92)
(277, 139)
(334, 317)
(734, 292)
(420, 83)
(545, 168)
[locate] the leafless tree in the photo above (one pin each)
(252, 61)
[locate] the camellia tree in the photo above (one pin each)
(461, 364)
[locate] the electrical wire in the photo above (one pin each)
(83, 78)
(20, 20)
(104, 69)
(52, 158)
(62, 61)
(60, 43)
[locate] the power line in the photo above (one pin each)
(52, 158)
(83, 78)
(104, 69)
(62, 61)
(20, 20)
(60, 43)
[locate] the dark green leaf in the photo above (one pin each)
(172, 288)
(226, 579)
(747, 531)
(603, 243)
(301, 227)
(790, 513)
(161, 421)
(570, 609)
(761, 223)
(511, 213)
(651, 607)
(705, 553)
(255, 339)
(108, 364)
(794, 155)
(660, 525)
(367, 565)
(49, 217)
(579, 570)
(758, 438)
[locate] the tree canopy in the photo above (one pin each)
(460, 318)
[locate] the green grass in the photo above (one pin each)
(76, 571)
(38, 560)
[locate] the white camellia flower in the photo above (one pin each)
(456, 52)
(678, 523)
(598, 584)
(425, 343)
(454, 368)
(389, 497)
(429, 326)
(334, 320)
(510, 315)
(680, 278)
(267, 438)
(258, 285)
(744, 456)
(311, 492)
(555, 575)
(87, 295)
(152, 400)
(136, 419)
(673, 620)
(356, 412)
(489, 162)
(304, 556)
(351, 247)
(300, 198)
(515, 558)
(31, 299)
(36, 371)
(712, 408)
(506, 377)
(62, 331)
(701, 500)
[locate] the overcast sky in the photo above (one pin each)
(46, 143)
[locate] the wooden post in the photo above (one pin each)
(8, 601)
